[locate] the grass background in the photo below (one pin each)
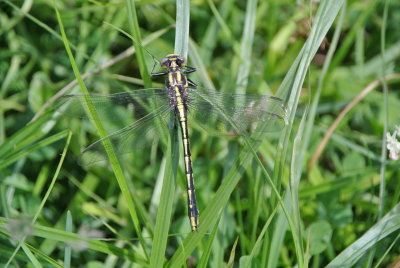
(341, 207)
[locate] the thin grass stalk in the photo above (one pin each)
(68, 249)
(29, 148)
(49, 189)
(326, 13)
(122, 182)
(314, 104)
(382, 171)
(134, 28)
(347, 43)
(246, 47)
(386, 114)
(389, 224)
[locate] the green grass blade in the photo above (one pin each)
(134, 28)
(182, 27)
(32, 147)
(40, 23)
(45, 257)
(387, 225)
(68, 249)
(279, 232)
(94, 244)
(309, 128)
(28, 134)
(22, 242)
(292, 84)
(53, 181)
(122, 182)
(31, 257)
(246, 47)
(207, 250)
(164, 211)
(295, 175)
(260, 238)
(382, 172)
(359, 24)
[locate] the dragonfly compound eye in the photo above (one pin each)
(165, 62)
(181, 61)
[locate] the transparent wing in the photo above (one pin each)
(116, 108)
(131, 138)
(133, 118)
(236, 114)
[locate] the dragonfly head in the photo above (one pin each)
(173, 60)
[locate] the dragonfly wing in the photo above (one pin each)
(114, 107)
(133, 137)
(236, 114)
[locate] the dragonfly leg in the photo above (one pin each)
(190, 82)
(189, 69)
(159, 74)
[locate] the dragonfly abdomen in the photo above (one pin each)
(181, 112)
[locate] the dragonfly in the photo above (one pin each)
(215, 112)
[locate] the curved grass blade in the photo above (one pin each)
(110, 152)
(134, 28)
(29, 148)
(387, 225)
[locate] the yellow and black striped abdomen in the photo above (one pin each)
(177, 85)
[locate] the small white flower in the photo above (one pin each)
(19, 228)
(397, 130)
(393, 145)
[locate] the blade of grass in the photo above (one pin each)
(387, 225)
(232, 254)
(348, 42)
(295, 174)
(134, 28)
(41, 24)
(26, 135)
(32, 147)
(182, 27)
(207, 250)
(94, 244)
(314, 105)
(382, 172)
(293, 82)
(45, 257)
(164, 211)
(209, 40)
(383, 256)
(122, 182)
(274, 246)
(67, 250)
(257, 244)
(46, 196)
(246, 47)
(31, 257)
